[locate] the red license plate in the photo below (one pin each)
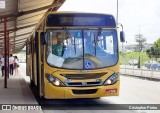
(111, 90)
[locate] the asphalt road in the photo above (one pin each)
(132, 91)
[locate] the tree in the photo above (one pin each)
(154, 51)
(157, 43)
(157, 48)
(141, 41)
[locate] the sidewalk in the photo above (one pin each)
(17, 92)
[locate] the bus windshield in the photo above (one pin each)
(82, 49)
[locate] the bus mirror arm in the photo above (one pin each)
(43, 38)
(122, 34)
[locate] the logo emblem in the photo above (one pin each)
(84, 83)
(88, 65)
(6, 107)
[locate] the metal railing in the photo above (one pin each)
(129, 66)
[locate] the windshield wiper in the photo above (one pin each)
(70, 36)
(96, 39)
(99, 31)
(95, 44)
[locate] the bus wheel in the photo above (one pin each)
(43, 98)
(31, 82)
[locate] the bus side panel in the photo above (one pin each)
(40, 65)
(37, 64)
(35, 68)
(35, 60)
(29, 60)
(29, 65)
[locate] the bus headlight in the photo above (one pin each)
(54, 81)
(111, 79)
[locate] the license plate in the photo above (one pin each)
(111, 91)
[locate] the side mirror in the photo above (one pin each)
(43, 41)
(122, 36)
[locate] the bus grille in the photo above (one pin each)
(88, 91)
(84, 76)
(71, 79)
(98, 83)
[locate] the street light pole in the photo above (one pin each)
(117, 11)
(139, 50)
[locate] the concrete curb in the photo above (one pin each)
(142, 77)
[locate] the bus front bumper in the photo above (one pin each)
(53, 92)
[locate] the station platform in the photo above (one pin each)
(17, 92)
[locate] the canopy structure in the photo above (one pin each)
(21, 18)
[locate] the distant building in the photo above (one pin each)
(133, 47)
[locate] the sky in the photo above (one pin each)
(135, 15)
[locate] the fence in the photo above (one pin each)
(147, 68)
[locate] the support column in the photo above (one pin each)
(5, 53)
(8, 54)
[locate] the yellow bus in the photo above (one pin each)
(74, 55)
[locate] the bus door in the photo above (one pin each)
(40, 63)
(34, 72)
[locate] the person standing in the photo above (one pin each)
(2, 66)
(11, 62)
(16, 65)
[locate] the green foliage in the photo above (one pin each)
(154, 51)
(125, 57)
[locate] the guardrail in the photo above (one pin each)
(139, 72)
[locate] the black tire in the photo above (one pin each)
(31, 82)
(42, 98)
